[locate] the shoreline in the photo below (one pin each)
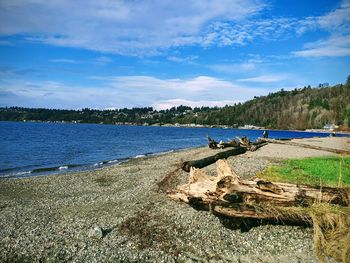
(58, 168)
(191, 125)
(50, 218)
(69, 168)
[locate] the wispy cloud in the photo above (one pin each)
(124, 27)
(337, 23)
(231, 68)
(126, 91)
(65, 60)
(228, 33)
(188, 59)
(335, 46)
(265, 78)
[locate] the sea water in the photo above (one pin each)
(29, 149)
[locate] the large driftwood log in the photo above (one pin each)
(212, 144)
(238, 142)
(200, 163)
(308, 146)
(228, 195)
(239, 147)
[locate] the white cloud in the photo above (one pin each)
(231, 68)
(124, 27)
(337, 23)
(339, 19)
(334, 46)
(324, 51)
(151, 26)
(125, 91)
(187, 86)
(65, 60)
(265, 78)
(188, 59)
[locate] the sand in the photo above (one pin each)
(51, 218)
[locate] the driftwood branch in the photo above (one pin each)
(240, 147)
(200, 163)
(212, 144)
(314, 147)
(230, 196)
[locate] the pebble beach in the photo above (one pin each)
(122, 213)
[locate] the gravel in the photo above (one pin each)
(121, 214)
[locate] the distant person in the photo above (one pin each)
(266, 134)
(333, 134)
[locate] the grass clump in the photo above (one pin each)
(331, 226)
(323, 171)
(331, 223)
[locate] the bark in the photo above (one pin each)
(230, 196)
(200, 163)
(212, 144)
(240, 147)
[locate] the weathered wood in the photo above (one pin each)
(212, 144)
(314, 147)
(200, 163)
(228, 195)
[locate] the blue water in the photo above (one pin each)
(29, 149)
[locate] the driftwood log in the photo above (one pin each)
(200, 163)
(229, 196)
(240, 147)
(238, 142)
(212, 144)
(308, 146)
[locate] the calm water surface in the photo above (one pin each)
(28, 149)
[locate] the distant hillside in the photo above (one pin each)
(297, 109)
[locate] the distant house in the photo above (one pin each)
(330, 127)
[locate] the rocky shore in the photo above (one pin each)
(121, 213)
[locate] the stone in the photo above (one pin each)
(96, 232)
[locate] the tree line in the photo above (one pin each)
(302, 108)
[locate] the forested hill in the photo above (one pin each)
(297, 109)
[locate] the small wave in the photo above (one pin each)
(100, 163)
(14, 175)
(139, 156)
(113, 161)
(54, 168)
(23, 173)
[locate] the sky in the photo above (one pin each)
(111, 54)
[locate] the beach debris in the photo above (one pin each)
(237, 142)
(308, 146)
(227, 195)
(200, 163)
(96, 232)
(239, 147)
(212, 144)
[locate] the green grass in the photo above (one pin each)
(325, 171)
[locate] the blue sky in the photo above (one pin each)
(163, 53)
